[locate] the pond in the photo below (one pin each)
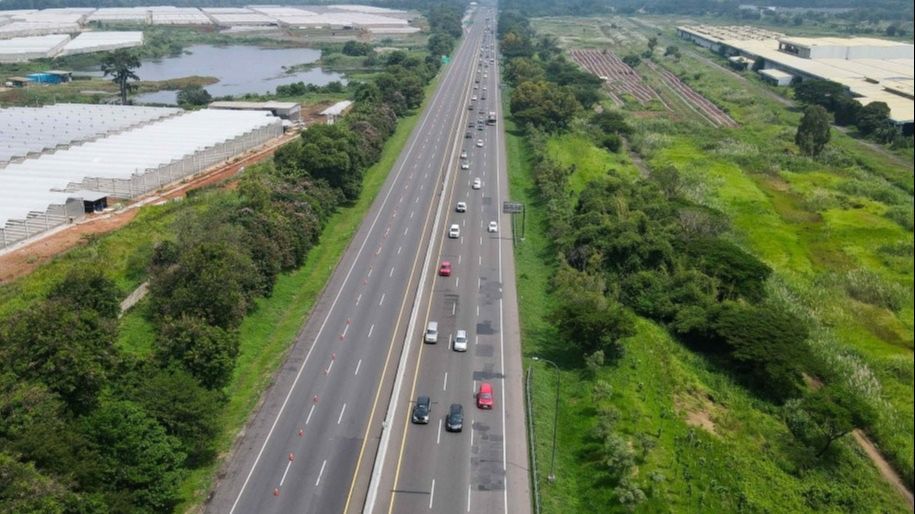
(240, 69)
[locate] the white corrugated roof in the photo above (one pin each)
(337, 109)
(32, 185)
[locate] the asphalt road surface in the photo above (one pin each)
(482, 469)
(312, 444)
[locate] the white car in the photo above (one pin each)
(493, 226)
(473, 98)
(479, 143)
(477, 184)
(465, 165)
(460, 341)
(461, 207)
(454, 232)
(463, 154)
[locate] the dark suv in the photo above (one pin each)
(421, 410)
(455, 420)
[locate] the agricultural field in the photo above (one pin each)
(837, 232)
(620, 79)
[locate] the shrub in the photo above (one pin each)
(868, 287)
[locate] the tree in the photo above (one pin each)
(206, 351)
(70, 350)
(184, 408)
(194, 95)
(672, 51)
(814, 130)
(652, 43)
(585, 317)
(356, 48)
(613, 122)
(139, 464)
(88, 288)
(758, 64)
(826, 415)
(544, 105)
(632, 60)
(213, 279)
(120, 65)
(440, 44)
(872, 117)
(820, 92)
(766, 345)
(26, 490)
(846, 110)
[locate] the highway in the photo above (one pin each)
(482, 469)
(311, 445)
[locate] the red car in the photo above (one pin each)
(445, 269)
(484, 396)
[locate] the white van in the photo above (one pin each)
(455, 231)
(431, 332)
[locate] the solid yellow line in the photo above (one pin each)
(441, 241)
(368, 427)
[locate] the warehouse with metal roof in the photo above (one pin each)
(37, 193)
(874, 70)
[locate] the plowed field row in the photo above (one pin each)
(618, 77)
(694, 100)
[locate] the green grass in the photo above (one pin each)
(743, 461)
(590, 162)
(267, 333)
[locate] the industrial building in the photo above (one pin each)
(291, 111)
(102, 42)
(873, 70)
(60, 177)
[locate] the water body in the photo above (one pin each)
(240, 69)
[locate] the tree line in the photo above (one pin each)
(824, 97)
(641, 247)
(90, 428)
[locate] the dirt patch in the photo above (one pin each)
(698, 410)
(886, 471)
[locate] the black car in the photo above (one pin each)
(421, 410)
(455, 420)
(468, 135)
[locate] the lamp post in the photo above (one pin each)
(552, 476)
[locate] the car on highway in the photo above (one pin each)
(460, 341)
(468, 135)
(484, 396)
(473, 98)
(461, 207)
(465, 165)
(454, 232)
(444, 269)
(454, 422)
(477, 184)
(479, 143)
(493, 227)
(421, 410)
(463, 154)
(431, 335)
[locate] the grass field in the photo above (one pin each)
(838, 233)
(702, 443)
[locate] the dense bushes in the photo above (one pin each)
(872, 120)
(89, 428)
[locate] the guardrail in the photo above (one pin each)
(533, 447)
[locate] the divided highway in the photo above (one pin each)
(483, 468)
(311, 446)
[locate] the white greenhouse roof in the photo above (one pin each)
(34, 184)
(33, 47)
(337, 109)
(101, 41)
(26, 130)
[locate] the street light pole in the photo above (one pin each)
(552, 476)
